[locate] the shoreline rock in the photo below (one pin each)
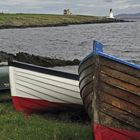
(36, 60)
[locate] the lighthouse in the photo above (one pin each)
(111, 14)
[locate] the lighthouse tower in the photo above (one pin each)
(111, 14)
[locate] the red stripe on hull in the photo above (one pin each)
(106, 133)
(29, 106)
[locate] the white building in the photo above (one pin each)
(111, 14)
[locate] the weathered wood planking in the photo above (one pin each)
(120, 115)
(120, 93)
(88, 103)
(86, 71)
(120, 84)
(118, 96)
(87, 62)
(110, 89)
(86, 90)
(113, 121)
(85, 82)
(120, 67)
(120, 75)
(119, 103)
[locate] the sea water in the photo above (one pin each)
(75, 41)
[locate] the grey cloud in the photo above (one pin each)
(89, 7)
(108, 0)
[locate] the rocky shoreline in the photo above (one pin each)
(37, 60)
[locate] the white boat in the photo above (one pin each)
(37, 89)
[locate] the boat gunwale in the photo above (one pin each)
(43, 70)
(98, 50)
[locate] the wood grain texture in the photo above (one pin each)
(120, 93)
(86, 71)
(87, 62)
(111, 93)
(120, 67)
(118, 97)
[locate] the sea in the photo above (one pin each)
(75, 41)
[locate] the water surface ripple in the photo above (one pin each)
(74, 41)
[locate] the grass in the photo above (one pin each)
(16, 126)
(44, 20)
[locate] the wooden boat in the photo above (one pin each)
(38, 89)
(110, 89)
(4, 78)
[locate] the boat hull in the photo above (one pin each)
(34, 91)
(86, 71)
(30, 106)
(115, 96)
(116, 100)
(107, 133)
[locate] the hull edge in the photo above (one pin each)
(107, 133)
(29, 106)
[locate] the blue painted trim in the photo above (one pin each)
(98, 50)
(97, 47)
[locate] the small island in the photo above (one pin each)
(20, 20)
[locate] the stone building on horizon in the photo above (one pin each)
(67, 12)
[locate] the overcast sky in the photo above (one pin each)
(83, 7)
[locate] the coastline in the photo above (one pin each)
(37, 60)
(8, 21)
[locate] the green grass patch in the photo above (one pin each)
(16, 126)
(44, 20)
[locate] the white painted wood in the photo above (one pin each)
(35, 85)
(51, 80)
(68, 81)
(49, 86)
(12, 80)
